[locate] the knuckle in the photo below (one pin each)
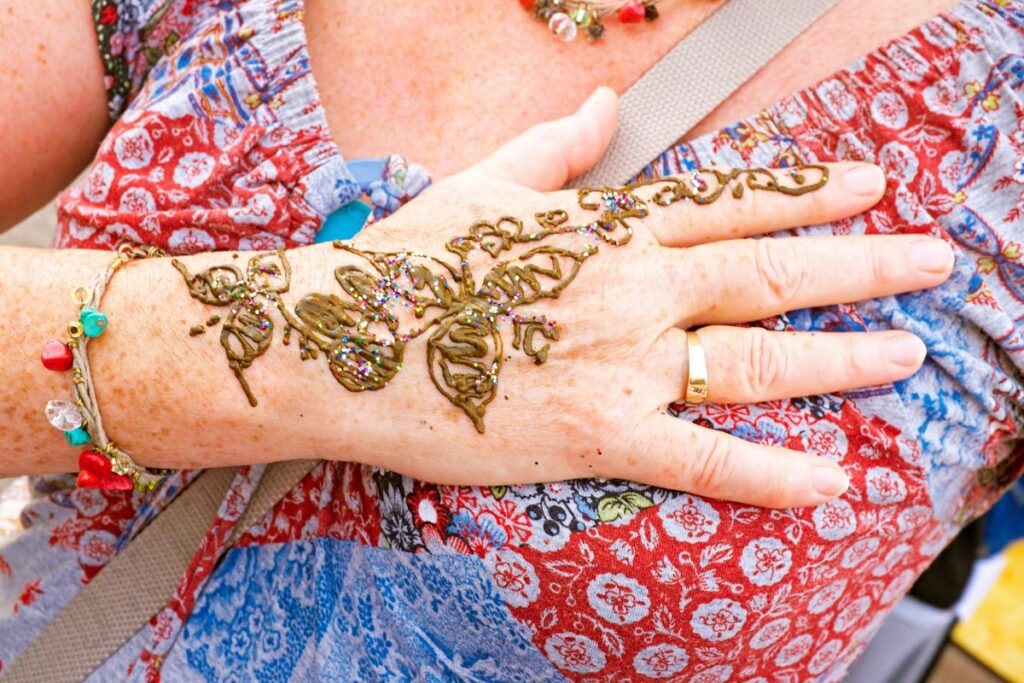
(881, 268)
(767, 363)
(779, 268)
(711, 466)
(854, 364)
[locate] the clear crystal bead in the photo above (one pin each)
(64, 415)
(562, 25)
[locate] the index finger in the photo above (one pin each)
(720, 203)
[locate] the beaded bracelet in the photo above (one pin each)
(104, 465)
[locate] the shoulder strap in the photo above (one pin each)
(707, 66)
(701, 71)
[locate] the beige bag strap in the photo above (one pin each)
(702, 70)
(707, 66)
(138, 582)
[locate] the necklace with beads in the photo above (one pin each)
(565, 18)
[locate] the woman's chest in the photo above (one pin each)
(445, 85)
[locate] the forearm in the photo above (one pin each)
(166, 397)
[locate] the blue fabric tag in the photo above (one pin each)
(344, 223)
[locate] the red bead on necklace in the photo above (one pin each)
(566, 18)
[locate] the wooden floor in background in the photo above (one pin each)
(956, 666)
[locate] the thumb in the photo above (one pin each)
(548, 155)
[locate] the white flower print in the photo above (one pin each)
(766, 561)
(137, 200)
(951, 169)
(97, 183)
(795, 650)
(837, 99)
(718, 620)
(834, 520)
(899, 162)
(849, 146)
(826, 597)
(574, 652)
(792, 111)
(770, 633)
(123, 233)
(193, 169)
(258, 210)
(261, 241)
(134, 149)
(689, 519)
(909, 64)
(827, 440)
(190, 240)
(889, 109)
(825, 656)
(914, 518)
(716, 674)
(618, 599)
(858, 552)
(96, 547)
(851, 614)
(79, 231)
(660, 661)
(885, 487)
(898, 586)
(892, 558)
(910, 208)
(514, 577)
(945, 97)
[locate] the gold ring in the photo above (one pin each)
(697, 371)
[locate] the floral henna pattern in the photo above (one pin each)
(388, 299)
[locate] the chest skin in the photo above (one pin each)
(446, 83)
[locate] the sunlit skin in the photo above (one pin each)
(168, 397)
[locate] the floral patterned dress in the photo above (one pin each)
(363, 575)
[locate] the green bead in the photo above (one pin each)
(581, 16)
(94, 323)
(77, 437)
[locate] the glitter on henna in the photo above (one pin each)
(363, 332)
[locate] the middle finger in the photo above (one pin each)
(744, 280)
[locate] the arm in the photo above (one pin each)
(54, 108)
(487, 333)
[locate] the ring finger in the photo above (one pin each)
(749, 365)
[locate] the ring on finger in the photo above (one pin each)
(697, 371)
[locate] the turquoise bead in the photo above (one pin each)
(77, 437)
(93, 322)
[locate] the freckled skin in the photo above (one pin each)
(171, 400)
(478, 86)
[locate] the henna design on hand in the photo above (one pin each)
(392, 298)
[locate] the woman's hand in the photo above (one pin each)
(566, 367)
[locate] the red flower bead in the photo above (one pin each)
(56, 356)
(527, 4)
(108, 15)
(632, 13)
(95, 472)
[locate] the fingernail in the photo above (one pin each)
(931, 255)
(829, 481)
(905, 349)
(865, 180)
(591, 101)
